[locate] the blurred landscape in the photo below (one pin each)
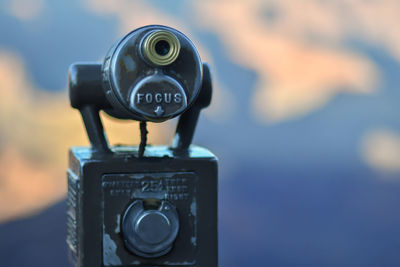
(305, 120)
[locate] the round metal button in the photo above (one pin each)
(150, 233)
(152, 227)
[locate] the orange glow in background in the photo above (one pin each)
(297, 49)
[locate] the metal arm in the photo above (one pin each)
(86, 94)
(188, 120)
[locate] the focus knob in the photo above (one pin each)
(154, 73)
(150, 232)
(158, 96)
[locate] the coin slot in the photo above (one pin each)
(151, 203)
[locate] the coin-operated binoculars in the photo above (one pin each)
(138, 205)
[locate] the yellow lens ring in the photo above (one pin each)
(154, 39)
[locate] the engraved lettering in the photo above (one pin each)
(139, 98)
(152, 186)
(155, 186)
(167, 97)
(149, 98)
(158, 98)
(175, 188)
(145, 186)
(177, 98)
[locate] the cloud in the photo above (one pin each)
(26, 9)
(295, 48)
(381, 150)
(133, 14)
(37, 129)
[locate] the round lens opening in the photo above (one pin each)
(162, 47)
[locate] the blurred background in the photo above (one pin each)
(305, 120)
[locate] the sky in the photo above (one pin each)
(304, 118)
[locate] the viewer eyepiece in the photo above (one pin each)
(161, 47)
(132, 205)
(153, 73)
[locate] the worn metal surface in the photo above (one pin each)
(103, 186)
(127, 208)
(128, 72)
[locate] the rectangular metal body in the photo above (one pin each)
(102, 186)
